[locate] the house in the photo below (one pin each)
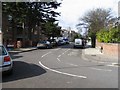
(18, 32)
(68, 34)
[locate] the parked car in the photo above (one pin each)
(60, 42)
(53, 42)
(79, 43)
(6, 63)
(66, 41)
(44, 44)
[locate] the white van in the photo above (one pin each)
(78, 43)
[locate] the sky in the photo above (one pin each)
(72, 10)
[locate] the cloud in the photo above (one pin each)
(72, 10)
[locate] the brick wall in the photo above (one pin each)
(110, 48)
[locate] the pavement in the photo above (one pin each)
(18, 50)
(94, 54)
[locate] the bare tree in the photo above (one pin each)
(95, 20)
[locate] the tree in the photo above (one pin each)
(51, 29)
(30, 14)
(95, 20)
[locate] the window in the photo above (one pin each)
(2, 51)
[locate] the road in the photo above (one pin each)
(62, 67)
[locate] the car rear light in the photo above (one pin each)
(6, 58)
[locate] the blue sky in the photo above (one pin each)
(72, 10)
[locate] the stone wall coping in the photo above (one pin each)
(110, 43)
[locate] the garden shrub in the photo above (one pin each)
(109, 36)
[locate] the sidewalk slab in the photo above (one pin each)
(96, 55)
(92, 51)
(22, 50)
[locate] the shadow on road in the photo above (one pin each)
(23, 70)
(70, 46)
(15, 55)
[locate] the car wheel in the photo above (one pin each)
(47, 47)
(74, 46)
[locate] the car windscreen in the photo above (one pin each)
(42, 42)
(2, 51)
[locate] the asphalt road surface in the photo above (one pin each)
(61, 67)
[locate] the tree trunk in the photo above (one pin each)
(93, 40)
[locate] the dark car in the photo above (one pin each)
(53, 42)
(60, 42)
(66, 41)
(44, 44)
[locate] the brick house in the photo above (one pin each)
(11, 35)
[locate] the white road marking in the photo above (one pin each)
(113, 65)
(101, 69)
(67, 50)
(56, 49)
(68, 74)
(45, 54)
(59, 56)
(64, 52)
(58, 59)
(72, 64)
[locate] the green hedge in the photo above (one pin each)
(109, 36)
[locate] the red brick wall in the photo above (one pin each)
(110, 48)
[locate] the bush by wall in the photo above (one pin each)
(109, 36)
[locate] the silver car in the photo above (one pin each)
(6, 63)
(44, 44)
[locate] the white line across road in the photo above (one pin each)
(111, 65)
(45, 54)
(59, 56)
(64, 52)
(68, 74)
(56, 49)
(58, 59)
(102, 69)
(72, 64)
